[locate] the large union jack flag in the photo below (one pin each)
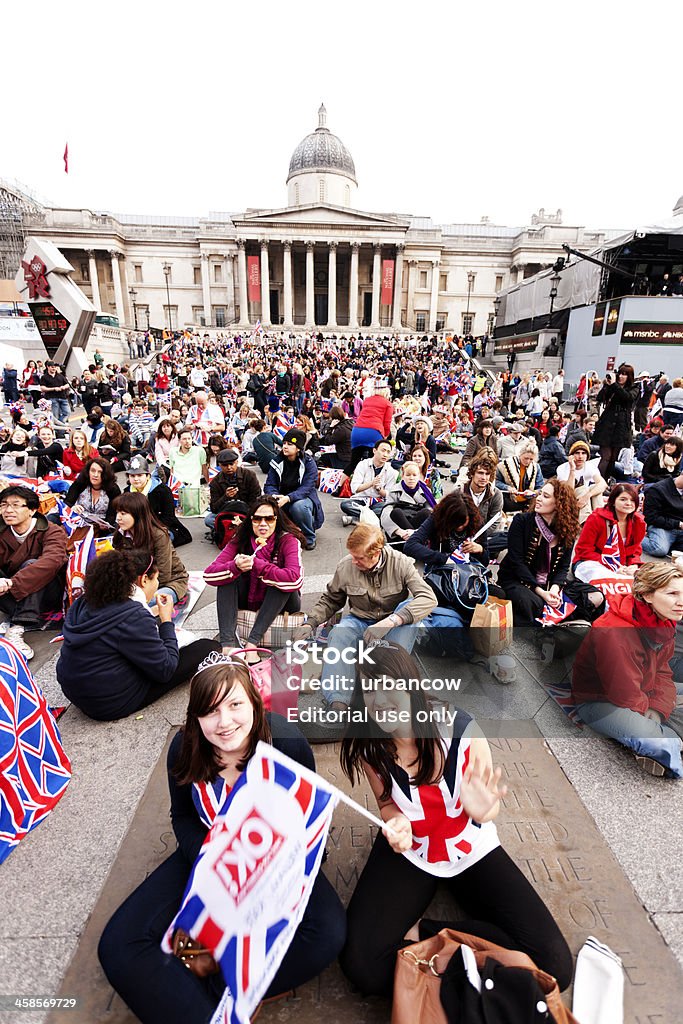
(252, 880)
(611, 555)
(34, 770)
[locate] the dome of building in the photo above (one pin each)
(678, 208)
(322, 151)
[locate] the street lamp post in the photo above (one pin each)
(133, 295)
(167, 274)
(470, 285)
(554, 282)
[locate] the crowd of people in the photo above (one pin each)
(454, 482)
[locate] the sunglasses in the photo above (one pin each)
(263, 519)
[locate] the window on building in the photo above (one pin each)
(321, 190)
(499, 282)
(491, 323)
(219, 316)
(197, 275)
(297, 199)
(198, 315)
(441, 319)
(85, 272)
(423, 279)
(443, 282)
(143, 315)
(467, 323)
(217, 273)
(137, 272)
(420, 321)
(171, 317)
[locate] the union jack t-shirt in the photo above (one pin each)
(446, 841)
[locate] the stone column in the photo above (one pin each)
(265, 284)
(287, 276)
(206, 288)
(353, 287)
(434, 301)
(398, 281)
(118, 293)
(332, 287)
(229, 288)
(242, 282)
(94, 281)
(310, 285)
(410, 305)
(376, 285)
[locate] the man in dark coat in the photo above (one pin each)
(663, 512)
(232, 483)
(159, 497)
(293, 479)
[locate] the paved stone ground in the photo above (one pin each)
(624, 826)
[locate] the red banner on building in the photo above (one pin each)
(253, 279)
(387, 282)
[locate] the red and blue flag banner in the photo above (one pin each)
(34, 770)
(84, 551)
(611, 556)
(214, 471)
(459, 555)
(175, 485)
(252, 880)
(70, 520)
(551, 616)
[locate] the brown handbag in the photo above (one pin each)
(196, 957)
(419, 967)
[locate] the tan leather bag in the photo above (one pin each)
(417, 979)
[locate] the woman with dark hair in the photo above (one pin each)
(484, 437)
(165, 440)
(138, 528)
(114, 444)
(260, 570)
(614, 429)
(611, 538)
(438, 794)
(216, 445)
(664, 461)
(338, 435)
(452, 523)
(116, 656)
(225, 720)
(534, 572)
(93, 492)
(30, 383)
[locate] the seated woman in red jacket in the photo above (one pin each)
(622, 681)
(259, 569)
(610, 540)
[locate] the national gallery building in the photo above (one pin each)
(318, 262)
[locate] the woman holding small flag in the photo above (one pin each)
(225, 721)
(439, 795)
(535, 569)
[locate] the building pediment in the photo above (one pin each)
(322, 214)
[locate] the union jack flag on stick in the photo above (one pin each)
(34, 770)
(551, 616)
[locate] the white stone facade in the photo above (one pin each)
(320, 259)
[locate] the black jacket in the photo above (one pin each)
(246, 482)
(190, 830)
(426, 547)
(79, 485)
(663, 506)
(523, 541)
(614, 429)
(111, 655)
(163, 508)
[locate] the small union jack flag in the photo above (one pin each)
(83, 553)
(551, 616)
(252, 880)
(70, 520)
(213, 471)
(459, 555)
(611, 555)
(175, 485)
(34, 770)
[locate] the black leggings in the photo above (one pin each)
(392, 894)
(527, 606)
(409, 520)
(608, 456)
(233, 596)
(159, 989)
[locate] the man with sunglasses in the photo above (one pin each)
(293, 480)
(32, 559)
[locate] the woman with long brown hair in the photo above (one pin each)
(452, 523)
(614, 429)
(534, 572)
(225, 720)
(138, 528)
(114, 444)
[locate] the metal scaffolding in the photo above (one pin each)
(15, 206)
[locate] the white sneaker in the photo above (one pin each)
(347, 520)
(15, 635)
(4, 626)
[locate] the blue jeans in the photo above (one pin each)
(676, 664)
(209, 520)
(444, 633)
(61, 410)
(301, 512)
(337, 681)
(659, 542)
(633, 730)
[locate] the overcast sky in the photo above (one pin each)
(452, 111)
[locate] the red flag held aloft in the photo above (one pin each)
(66, 158)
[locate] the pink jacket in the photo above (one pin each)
(281, 569)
